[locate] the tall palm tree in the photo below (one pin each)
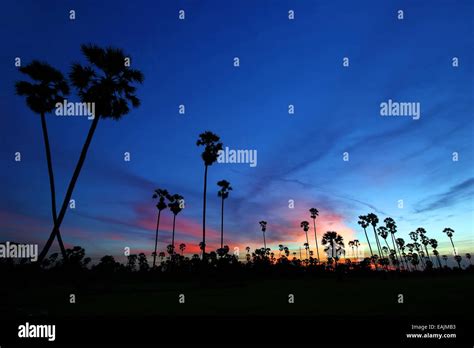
(374, 220)
(424, 240)
(223, 193)
(263, 226)
(364, 224)
(109, 84)
(449, 232)
(305, 226)
(314, 214)
(176, 205)
(335, 242)
(212, 146)
(48, 88)
(392, 229)
(161, 205)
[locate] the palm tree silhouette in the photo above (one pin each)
(401, 248)
(334, 242)
(314, 214)
(176, 205)
(374, 220)
(356, 244)
(263, 226)
(364, 224)
(449, 232)
(49, 88)
(445, 259)
(212, 146)
(392, 229)
(107, 83)
(280, 249)
(424, 240)
(414, 237)
(434, 244)
(382, 231)
(161, 205)
(182, 247)
(305, 226)
(223, 193)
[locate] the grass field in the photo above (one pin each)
(370, 295)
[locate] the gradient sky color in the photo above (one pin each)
(299, 156)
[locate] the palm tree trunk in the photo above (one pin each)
(316, 239)
(222, 223)
(307, 248)
(264, 242)
(156, 237)
(174, 224)
(51, 182)
(454, 249)
(428, 254)
(70, 188)
(368, 242)
(379, 246)
(204, 215)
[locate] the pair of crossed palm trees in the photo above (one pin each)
(107, 81)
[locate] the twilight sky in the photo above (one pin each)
(300, 156)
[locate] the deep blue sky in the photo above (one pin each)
(299, 156)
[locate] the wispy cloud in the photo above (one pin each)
(452, 196)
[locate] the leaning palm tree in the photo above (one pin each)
(449, 232)
(392, 229)
(212, 146)
(49, 87)
(374, 220)
(305, 226)
(176, 205)
(314, 214)
(109, 84)
(335, 244)
(263, 226)
(161, 205)
(223, 193)
(364, 224)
